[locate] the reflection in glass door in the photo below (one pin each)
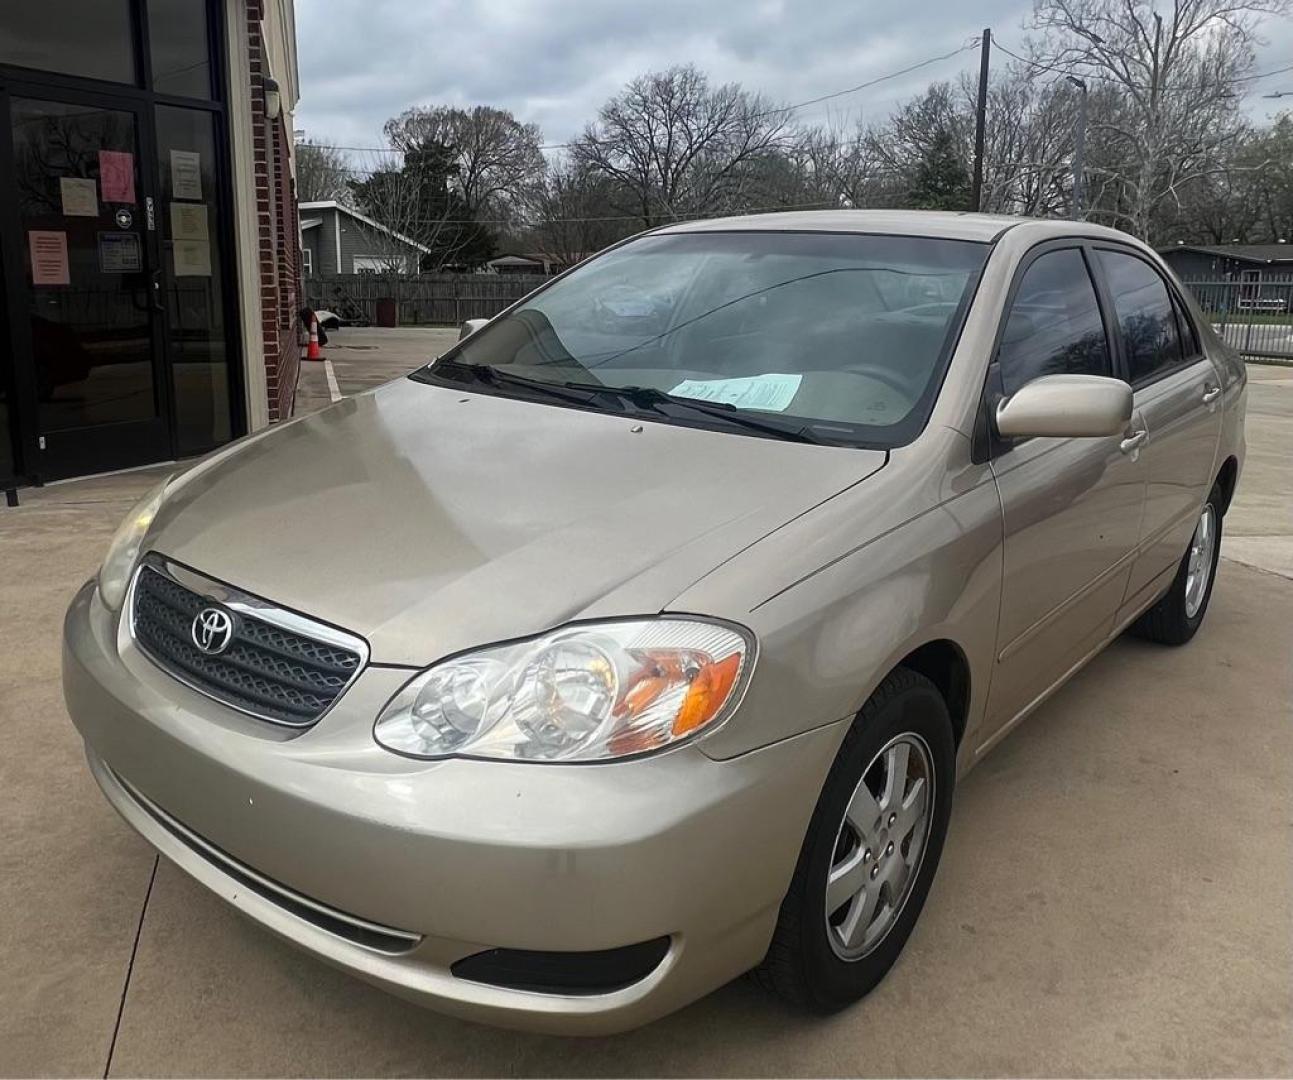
(92, 294)
(191, 230)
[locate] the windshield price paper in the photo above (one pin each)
(771, 393)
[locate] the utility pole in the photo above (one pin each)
(1079, 149)
(980, 119)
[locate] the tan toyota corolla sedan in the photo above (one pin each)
(639, 640)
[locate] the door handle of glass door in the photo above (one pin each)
(1133, 441)
(157, 291)
(1210, 394)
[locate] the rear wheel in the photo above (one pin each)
(871, 850)
(1179, 614)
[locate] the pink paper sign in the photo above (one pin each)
(48, 257)
(117, 176)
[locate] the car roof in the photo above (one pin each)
(950, 225)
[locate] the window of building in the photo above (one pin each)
(177, 44)
(92, 40)
(1054, 326)
(197, 341)
(1145, 316)
(307, 261)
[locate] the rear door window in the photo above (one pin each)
(1054, 325)
(1150, 338)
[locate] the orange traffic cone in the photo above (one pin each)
(313, 352)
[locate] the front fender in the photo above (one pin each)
(913, 556)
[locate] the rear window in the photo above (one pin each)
(846, 334)
(1150, 337)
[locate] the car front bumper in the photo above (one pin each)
(394, 869)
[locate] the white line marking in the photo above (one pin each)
(334, 391)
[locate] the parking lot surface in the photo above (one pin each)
(1115, 898)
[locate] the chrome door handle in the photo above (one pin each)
(1210, 394)
(1133, 441)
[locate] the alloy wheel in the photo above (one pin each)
(879, 846)
(1198, 570)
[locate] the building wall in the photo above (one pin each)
(328, 243)
(262, 46)
(1196, 265)
(275, 205)
(1202, 266)
(359, 239)
(310, 243)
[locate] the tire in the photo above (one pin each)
(808, 962)
(1175, 618)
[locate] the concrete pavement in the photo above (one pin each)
(1115, 897)
(364, 357)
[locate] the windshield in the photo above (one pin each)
(836, 336)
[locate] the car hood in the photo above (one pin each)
(431, 520)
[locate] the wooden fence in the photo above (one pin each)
(422, 300)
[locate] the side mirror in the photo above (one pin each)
(469, 327)
(1067, 406)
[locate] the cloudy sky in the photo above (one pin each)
(554, 62)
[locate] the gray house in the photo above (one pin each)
(336, 239)
(1229, 262)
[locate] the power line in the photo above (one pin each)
(1120, 82)
(972, 43)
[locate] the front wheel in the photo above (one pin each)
(871, 850)
(1179, 614)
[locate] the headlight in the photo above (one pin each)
(591, 692)
(124, 548)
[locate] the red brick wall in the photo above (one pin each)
(276, 218)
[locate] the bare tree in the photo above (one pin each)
(572, 213)
(1178, 73)
(675, 146)
(322, 172)
(497, 157)
(1029, 142)
(415, 201)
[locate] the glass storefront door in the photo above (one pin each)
(118, 302)
(88, 308)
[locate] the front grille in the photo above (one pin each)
(290, 675)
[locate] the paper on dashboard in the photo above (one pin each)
(770, 392)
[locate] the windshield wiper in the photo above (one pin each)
(648, 397)
(642, 398)
(492, 376)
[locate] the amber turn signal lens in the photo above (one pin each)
(706, 694)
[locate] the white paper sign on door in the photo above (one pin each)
(192, 258)
(186, 174)
(189, 221)
(80, 196)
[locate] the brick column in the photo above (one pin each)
(276, 219)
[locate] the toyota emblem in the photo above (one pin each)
(212, 630)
